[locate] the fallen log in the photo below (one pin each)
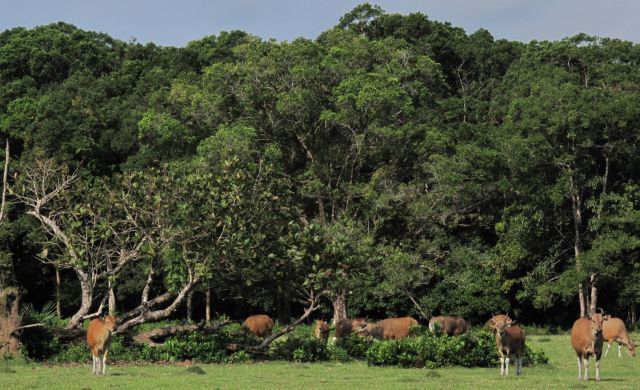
(156, 337)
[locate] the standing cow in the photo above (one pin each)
(614, 330)
(347, 326)
(389, 329)
(510, 342)
(98, 339)
(452, 326)
(586, 340)
(259, 324)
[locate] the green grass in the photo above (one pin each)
(560, 373)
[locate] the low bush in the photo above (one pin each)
(473, 349)
(232, 345)
(299, 349)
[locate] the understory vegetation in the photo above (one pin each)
(233, 345)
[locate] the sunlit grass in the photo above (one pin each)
(560, 373)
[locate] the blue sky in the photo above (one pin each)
(174, 23)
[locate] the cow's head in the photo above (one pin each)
(322, 326)
(501, 323)
(362, 329)
(631, 348)
(597, 319)
(110, 323)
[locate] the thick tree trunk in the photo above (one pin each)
(339, 302)
(9, 321)
(207, 309)
(86, 291)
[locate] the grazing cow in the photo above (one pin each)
(452, 326)
(322, 330)
(389, 329)
(99, 338)
(586, 339)
(259, 324)
(491, 322)
(347, 326)
(614, 330)
(510, 341)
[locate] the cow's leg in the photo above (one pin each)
(597, 369)
(608, 348)
(579, 368)
(585, 364)
(506, 366)
(93, 358)
(104, 361)
(519, 365)
(619, 347)
(501, 364)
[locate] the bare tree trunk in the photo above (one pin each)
(314, 304)
(112, 300)
(594, 294)
(86, 294)
(58, 305)
(339, 302)
(576, 206)
(207, 311)
(149, 316)
(190, 306)
(5, 177)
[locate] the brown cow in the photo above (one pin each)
(322, 330)
(491, 322)
(586, 339)
(510, 341)
(99, 338)
(347, 326)
(389, 329)
(614, 330)
(452, 326)
(259, 324)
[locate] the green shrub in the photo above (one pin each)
(473, 349)
(337, 353)
(299, 349)
(355, 346)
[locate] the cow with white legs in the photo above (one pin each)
(99, 339)
(614, 330)
(586, 339)
(510, 342)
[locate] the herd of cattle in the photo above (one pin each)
(587, 335)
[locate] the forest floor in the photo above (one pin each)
(616, 373)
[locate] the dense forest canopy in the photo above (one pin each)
(395, 165)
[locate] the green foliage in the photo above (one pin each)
(472, 349)
(299, 349)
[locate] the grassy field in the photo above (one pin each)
(616, 372)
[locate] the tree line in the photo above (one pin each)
(394, 165)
